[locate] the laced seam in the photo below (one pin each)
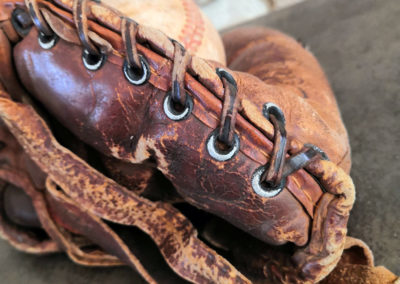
(278, 167)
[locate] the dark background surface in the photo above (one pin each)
(358, 45)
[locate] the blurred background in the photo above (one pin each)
(227, 13)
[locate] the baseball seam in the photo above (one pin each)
(192, 33)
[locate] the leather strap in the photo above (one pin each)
(357, 266)
(356, 273)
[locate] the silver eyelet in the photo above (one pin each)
(47, 42)
(174, 114)
(261, 189)
(134, 75)
(219, 154)
(93, 62)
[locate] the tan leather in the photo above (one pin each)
(357, 266)
(298, 84)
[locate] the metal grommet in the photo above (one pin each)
(172, 113)
(137, 76)
(47, 42)
(93, 62)
(219, 154)
(262, 189)
(21, 21)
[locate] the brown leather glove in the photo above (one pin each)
(129, 129)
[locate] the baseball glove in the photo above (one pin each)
(133, 152)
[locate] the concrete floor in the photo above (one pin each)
(358, 44)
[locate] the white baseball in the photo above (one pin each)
(181, 20)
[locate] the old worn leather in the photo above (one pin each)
(100, 132)
(20, 226)
(281, 62)
(357, 266)
(90, 112)
(125, 129)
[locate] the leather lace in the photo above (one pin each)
(279, 166)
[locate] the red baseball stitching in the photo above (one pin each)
(192, 33)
